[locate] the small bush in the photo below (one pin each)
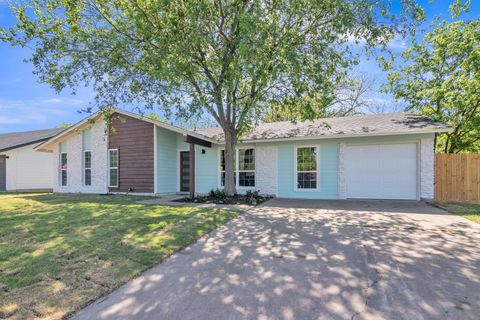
(219, 196)
(252, 193)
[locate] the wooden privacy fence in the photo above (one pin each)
(457, 177)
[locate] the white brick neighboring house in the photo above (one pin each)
(21, 167)
(75, 148)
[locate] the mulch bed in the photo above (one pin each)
(236, 199)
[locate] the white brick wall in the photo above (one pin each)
(266, 169)
(74, 146)
(342, 186)
(427, 159)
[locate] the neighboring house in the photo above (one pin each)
(388, 156)
(21, 167)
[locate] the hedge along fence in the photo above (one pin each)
(457, 177)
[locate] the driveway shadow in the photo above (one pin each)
(318, 260)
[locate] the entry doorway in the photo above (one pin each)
(184, 171)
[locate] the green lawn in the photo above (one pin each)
(59, 252)
(470, 211)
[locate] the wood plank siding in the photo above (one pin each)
(457, 177)
(135, 143)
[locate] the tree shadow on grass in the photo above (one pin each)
(61, 252)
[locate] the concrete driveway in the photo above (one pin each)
(304, 259)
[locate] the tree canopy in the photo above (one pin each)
(230, 58)
(441, 79)
(350, 97)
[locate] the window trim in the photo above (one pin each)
(62, 169)
(117, 168)
(237, 171)
(85, 169)
(295, 171)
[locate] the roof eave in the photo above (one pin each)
(41, 146)
(23, 145)
(340, 136)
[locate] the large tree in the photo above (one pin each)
(230, 58)
(441, 79)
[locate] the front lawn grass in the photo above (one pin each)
(471, 211)
(60, 252)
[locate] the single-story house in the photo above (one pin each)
(387, 156)
(21, 167)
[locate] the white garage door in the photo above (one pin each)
(381, 171)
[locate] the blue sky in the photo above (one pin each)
(26, 104)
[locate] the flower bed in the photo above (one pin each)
(220, 197)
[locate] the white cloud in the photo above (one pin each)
(42, 112)
(9, 81)
(7, 120)
(28, 103)
(52, 100)
(378, 100)
(397, 43)
(351, 39)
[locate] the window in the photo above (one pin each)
(113, 167)
(63, 168)
(306, 168)
(87, 157)
(87, 168)
(223, 166)
(244, 168)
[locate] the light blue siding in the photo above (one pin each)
(386, 139)
(328, 173)
(328, 188)
(207, 165)
(168, 145)
(166, 161)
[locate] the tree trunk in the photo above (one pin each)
(230, 145)
(447, 142)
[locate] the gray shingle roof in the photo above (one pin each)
(17, 139)
(347, 126)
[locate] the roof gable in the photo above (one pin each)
(44, 146)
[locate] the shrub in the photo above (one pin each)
(217, 194)
(252, 193)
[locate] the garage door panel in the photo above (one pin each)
(381, 171)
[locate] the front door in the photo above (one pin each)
(184, 171)
(3, 173)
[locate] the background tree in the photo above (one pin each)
(442, 80)
(155, 117)
(351, 96)
(64, 125)
(231, 58)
